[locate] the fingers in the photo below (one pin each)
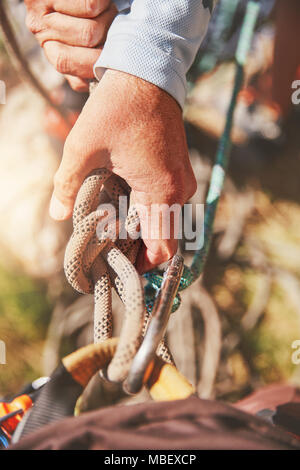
(74, 31)
(81, 8)
(71, 33)
(69, 60)
(160, 230)
(78, 84)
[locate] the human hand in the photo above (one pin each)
(134, 129)
(71, 34)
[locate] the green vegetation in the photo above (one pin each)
(24, 314)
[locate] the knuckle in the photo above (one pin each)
(176, 188)
(92, 8)
(33, 23)
(89, 34)
(186, 185)
(62, 62)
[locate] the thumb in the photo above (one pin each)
(151, 255)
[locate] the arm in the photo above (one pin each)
(130, 124)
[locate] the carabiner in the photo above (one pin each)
(143, 362)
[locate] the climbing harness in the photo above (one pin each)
(58, 397)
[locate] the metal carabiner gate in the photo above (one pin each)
(142, 364)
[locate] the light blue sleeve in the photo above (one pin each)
(156, 40)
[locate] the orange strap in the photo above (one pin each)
(164, 381)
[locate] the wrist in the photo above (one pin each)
(136, 90)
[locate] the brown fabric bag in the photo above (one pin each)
(187, 424)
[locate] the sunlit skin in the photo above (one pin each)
(72, 34)
(135, 129)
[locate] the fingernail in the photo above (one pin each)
(57, 210)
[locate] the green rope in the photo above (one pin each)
(190, 274)
(222, 27)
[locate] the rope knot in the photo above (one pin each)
(97, 258)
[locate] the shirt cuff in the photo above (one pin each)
(122, 4)
(157, 41)
(127, 53)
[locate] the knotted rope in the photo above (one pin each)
(97, 259)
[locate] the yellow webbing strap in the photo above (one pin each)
(164, 383)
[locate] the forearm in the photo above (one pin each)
(156, 40)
